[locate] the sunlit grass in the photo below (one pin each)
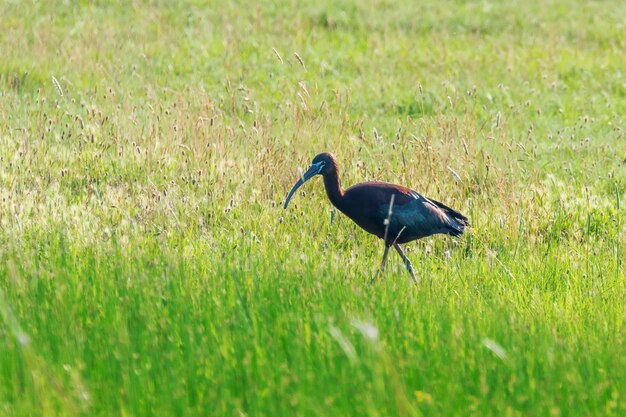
(147, 266)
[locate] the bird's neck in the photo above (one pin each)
(333, 189)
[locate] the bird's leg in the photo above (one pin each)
(406, 260)
(382, 264)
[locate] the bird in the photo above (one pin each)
(391, 212)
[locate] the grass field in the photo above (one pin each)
(147, 267)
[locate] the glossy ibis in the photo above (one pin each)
(394, 213)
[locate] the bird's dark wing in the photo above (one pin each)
(461, 222)
(421, 217)
(413, 215)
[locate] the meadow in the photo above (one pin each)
(147, 267)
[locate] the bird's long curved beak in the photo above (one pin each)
(310, 173)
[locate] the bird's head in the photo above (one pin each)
(323, 164)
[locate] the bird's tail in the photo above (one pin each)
(457, 221)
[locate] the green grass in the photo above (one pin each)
(147, 267)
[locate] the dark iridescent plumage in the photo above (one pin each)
(412, 217)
